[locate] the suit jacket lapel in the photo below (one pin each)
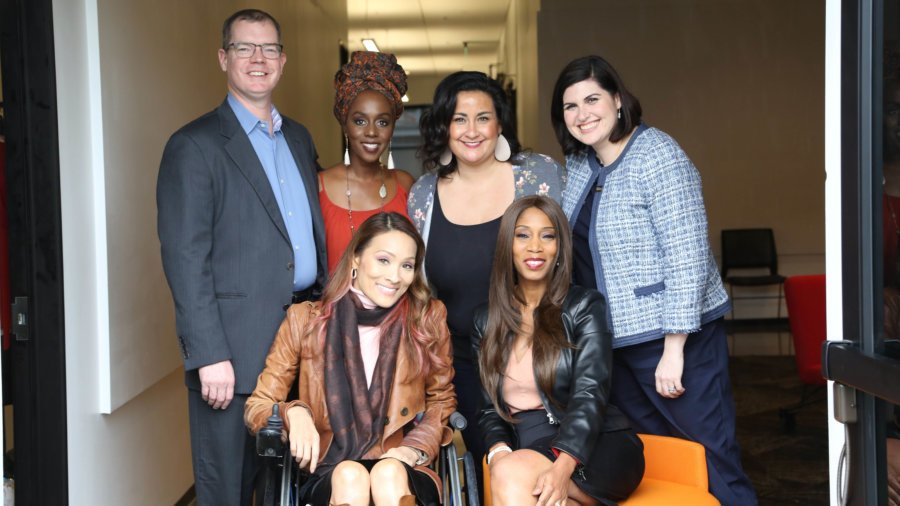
(244, 156)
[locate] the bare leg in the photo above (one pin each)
(513, 478)
(350, 484)
(392, 480)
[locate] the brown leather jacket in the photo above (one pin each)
(432, 397)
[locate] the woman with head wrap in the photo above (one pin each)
(367, 102)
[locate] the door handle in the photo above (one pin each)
(875, 374)
(20, 319)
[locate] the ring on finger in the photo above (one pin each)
(672, 390)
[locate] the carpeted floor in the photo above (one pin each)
(786, 468)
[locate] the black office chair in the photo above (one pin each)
(751, 248)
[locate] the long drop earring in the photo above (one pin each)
(390, 164)
(346, 151)
(502, 149)
(446, 157)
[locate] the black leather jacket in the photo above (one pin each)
(582, 383)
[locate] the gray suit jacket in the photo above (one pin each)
(225, 249)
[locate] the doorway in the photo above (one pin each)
(36, 376)
(865, 366)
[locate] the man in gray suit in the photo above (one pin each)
(242, 237)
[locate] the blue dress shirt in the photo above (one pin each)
(287, 185)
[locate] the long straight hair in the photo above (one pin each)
(505, 301)
(415, 309)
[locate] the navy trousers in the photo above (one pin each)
(704, 413)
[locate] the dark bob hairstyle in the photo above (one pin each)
(599, 70)
(435, 122)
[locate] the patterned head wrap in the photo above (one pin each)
(368, 70)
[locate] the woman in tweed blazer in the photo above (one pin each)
(635, 203)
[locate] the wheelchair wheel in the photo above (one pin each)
(460, 486)
(448, 470)
(471, 487)
(279, 484)
(288, 481)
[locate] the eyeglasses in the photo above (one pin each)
(246, 49)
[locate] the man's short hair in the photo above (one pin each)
(253, 15)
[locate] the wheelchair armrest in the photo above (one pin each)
(458, 421)
(268, 439)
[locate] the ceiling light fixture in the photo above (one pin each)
(370, 45)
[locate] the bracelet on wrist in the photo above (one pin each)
(421, 456)
(499, 449)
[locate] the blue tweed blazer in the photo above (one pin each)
(651, 247)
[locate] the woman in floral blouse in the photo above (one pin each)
(476, 169)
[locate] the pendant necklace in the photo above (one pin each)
(382, 192)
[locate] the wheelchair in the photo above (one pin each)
(281, 478)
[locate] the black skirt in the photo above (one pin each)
(613, 470)
(317, 489)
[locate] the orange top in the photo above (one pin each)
(337, 221)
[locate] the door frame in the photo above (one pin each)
(863, 377)
(36, 267)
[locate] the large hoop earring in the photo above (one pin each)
(446, 157)
(353, 273)
(346, 151)
(502, 150)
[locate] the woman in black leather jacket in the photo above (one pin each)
(544, 355)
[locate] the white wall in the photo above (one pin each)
(128, 75)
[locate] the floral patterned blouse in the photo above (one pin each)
(534, 174)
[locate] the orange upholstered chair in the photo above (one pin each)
(675, 475)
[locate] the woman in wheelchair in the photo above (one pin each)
(374, 366)
(545, 355)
